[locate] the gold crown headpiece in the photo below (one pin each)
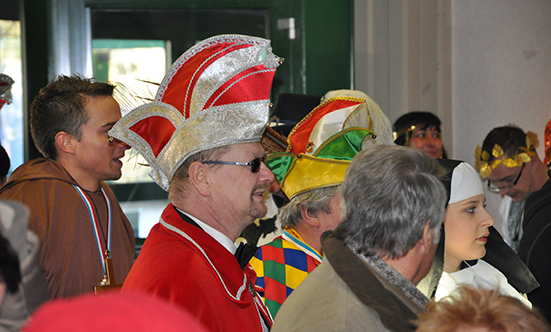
(485, 166)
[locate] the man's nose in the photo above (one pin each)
(119, 142)
(266, 174)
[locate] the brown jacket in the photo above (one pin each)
(346, 294)
(68, 254)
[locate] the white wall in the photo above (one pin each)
(501, 71)
(493, 61)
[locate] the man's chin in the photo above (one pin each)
(517, 197)
(258, 211)
(113, 176)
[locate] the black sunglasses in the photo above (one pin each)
(255, 163)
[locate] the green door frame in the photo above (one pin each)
(56, 40)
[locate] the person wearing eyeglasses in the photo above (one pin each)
(508, 161)
(201, 137)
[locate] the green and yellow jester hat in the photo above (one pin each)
(322, 145)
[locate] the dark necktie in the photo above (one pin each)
(244, 253)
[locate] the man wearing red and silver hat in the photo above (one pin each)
(201, 137)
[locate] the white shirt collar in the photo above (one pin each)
(217, 235)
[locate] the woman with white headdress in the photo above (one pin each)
(466, 232)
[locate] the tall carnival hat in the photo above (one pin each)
(322, 145)
(215, 94)
(381, 123)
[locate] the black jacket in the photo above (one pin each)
(535, 245)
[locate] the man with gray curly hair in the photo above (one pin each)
(392, 208)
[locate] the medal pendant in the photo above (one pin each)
(108, 281)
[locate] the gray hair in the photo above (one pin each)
(314, 201)
(388, 195)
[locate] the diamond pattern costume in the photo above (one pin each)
(282, 265)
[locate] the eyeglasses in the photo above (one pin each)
(494, 187)
(255, 163)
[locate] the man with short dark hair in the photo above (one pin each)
(393, 205)
(508, 159)
(76, 216)
(201, 137)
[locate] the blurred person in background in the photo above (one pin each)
(420, 130)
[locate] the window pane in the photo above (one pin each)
(127, 64)
(11, 115)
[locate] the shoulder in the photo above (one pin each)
(281, 251)
(536, 239)
(36, 174)
(275, 243)
(487, 268)
(324, 277)
(535, 243)
(40, 192)
(40, 168)
(336, 309)
(538, 205)
(273, 246)
(162, 255)
(538, 221)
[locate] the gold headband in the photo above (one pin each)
(406, 130)
(485, 167)
(403, 131)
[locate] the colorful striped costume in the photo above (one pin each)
(282, 265)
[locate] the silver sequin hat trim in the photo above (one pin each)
(200, 122)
